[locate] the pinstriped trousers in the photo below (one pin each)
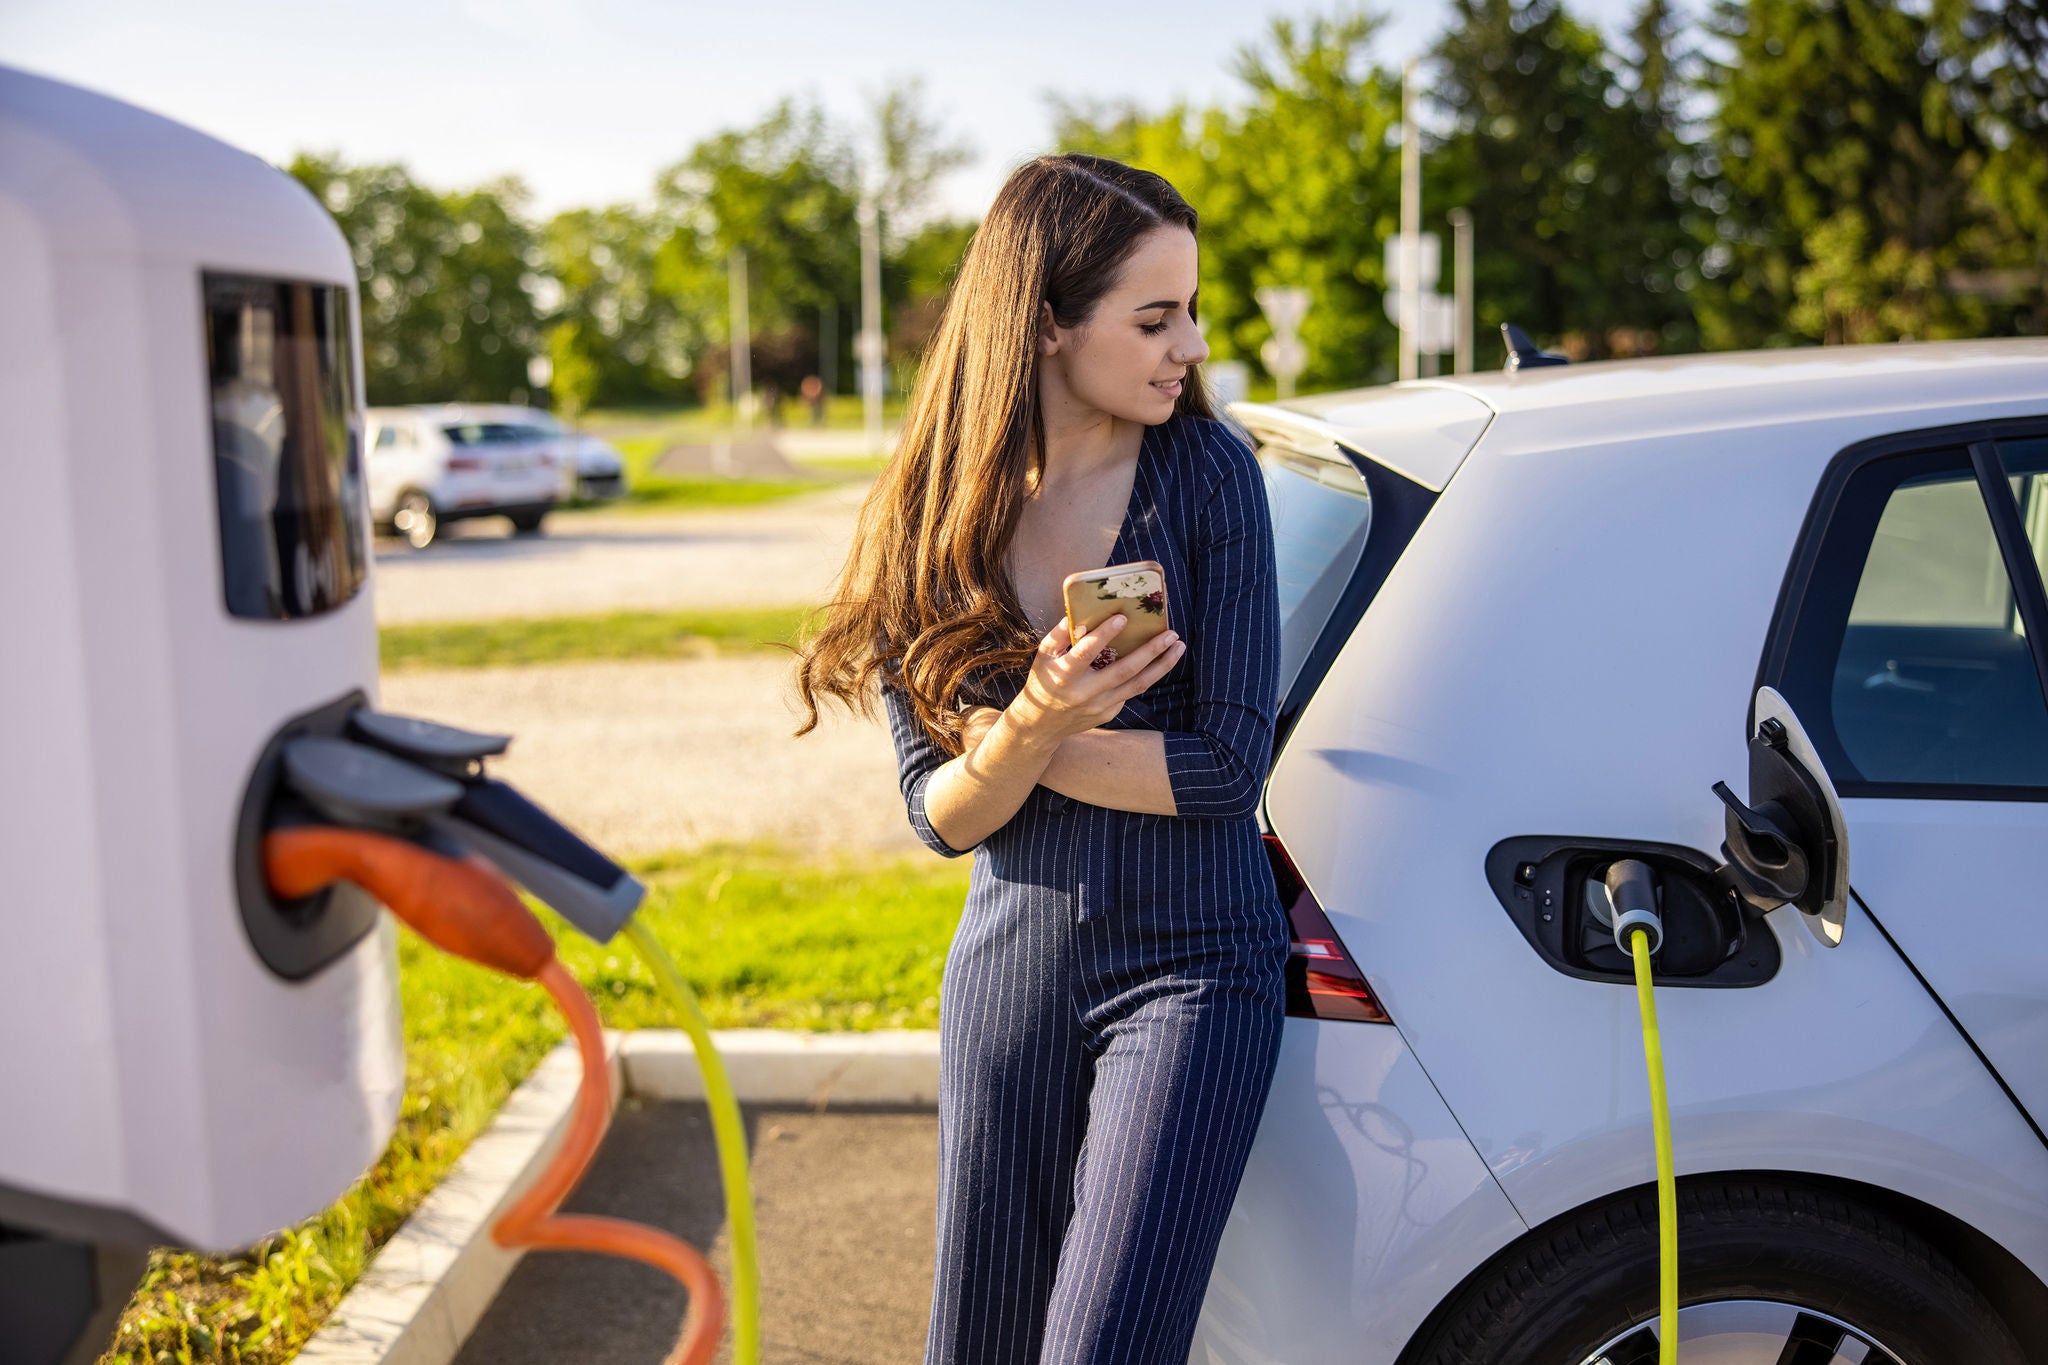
(1101, 1079)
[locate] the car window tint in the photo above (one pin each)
(2027, 464)
(1931, 682)
(1322, 514)
(491, 433)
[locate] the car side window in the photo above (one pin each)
(387, 437)
(1910, 658)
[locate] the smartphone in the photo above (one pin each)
(1137, 589)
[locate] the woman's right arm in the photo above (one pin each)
(956, 803)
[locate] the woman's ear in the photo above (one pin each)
(1048, 332)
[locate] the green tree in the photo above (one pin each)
(1845, 181)
(447, 279)
(1569, 171)
(1298, 186)
(613, 336)
(782, 191)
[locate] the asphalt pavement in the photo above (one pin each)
(845, 1201)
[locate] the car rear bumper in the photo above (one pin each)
(1363, 1204)
(490, 494)
(509, 509)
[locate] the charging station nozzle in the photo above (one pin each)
(1632, 887)
(415, 780)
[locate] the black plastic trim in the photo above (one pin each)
(2018, 554)
(294, 938)
(1797, 591)
(1398, 506)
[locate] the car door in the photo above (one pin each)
(1912, 641)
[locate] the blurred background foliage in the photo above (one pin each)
(1758, 173)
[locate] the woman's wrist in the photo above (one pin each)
(1028, 728)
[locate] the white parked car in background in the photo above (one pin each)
(592, 468)
(433, 464)
(1529, 620)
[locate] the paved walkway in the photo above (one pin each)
(648, 756)
(845, 1206)
(596, 561)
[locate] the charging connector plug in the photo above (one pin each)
(1632, 888)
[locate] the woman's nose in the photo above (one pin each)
(1193, 350)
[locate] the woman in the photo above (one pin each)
(1111, 1007)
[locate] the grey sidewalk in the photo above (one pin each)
(845, 1204)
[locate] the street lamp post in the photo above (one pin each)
(1411, 225)
(871, 346)
(742, 339)
(1461, 262)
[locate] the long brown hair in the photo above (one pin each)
(924, 588)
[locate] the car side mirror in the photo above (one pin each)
(1788, 844)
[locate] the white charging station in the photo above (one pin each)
(184, 577)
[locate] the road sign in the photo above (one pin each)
(1284, 355)
(1284, 308)
(1429, 267)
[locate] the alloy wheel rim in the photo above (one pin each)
(1749, 1332)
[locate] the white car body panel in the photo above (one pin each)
(1568, 646)
(1986, 956)
(1361, 1204)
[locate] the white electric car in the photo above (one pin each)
(1531, 620)
(433, 464)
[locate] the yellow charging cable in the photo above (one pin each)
(1667, 1186)
(731, 1137)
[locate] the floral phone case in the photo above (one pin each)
(1137, 589)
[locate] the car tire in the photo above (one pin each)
(527, 523)
(1584, 1287)
(414, 517)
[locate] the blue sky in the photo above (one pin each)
(587, 99)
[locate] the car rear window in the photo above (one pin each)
(491, 433)
(1322, 514)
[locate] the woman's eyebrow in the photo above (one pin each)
(1158, 303)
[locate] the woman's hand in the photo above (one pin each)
(1069, 690)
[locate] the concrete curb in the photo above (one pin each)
(428, 1287)
(770, 1066)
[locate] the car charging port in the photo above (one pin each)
(1560, 894)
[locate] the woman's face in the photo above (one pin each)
(1129, 357)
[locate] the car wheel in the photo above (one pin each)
(415, 519)
(1766, 1273)
(527, 523)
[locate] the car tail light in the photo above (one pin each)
(464, 464)
(1322, 980)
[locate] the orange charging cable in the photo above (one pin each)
(466, 908)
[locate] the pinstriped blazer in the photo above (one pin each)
(1198, 506)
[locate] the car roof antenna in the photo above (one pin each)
(1523, 353)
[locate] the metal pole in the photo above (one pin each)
(871, 342)
(742, 340)
(1461, 253)
(828, 348)
(1411, 224)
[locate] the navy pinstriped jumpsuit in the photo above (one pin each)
(1111, 1006)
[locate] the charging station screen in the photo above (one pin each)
(287, 451)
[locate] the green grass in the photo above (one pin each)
(843, 412)
(611, 635)
(765, 937)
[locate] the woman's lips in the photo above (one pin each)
(1171, 387)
